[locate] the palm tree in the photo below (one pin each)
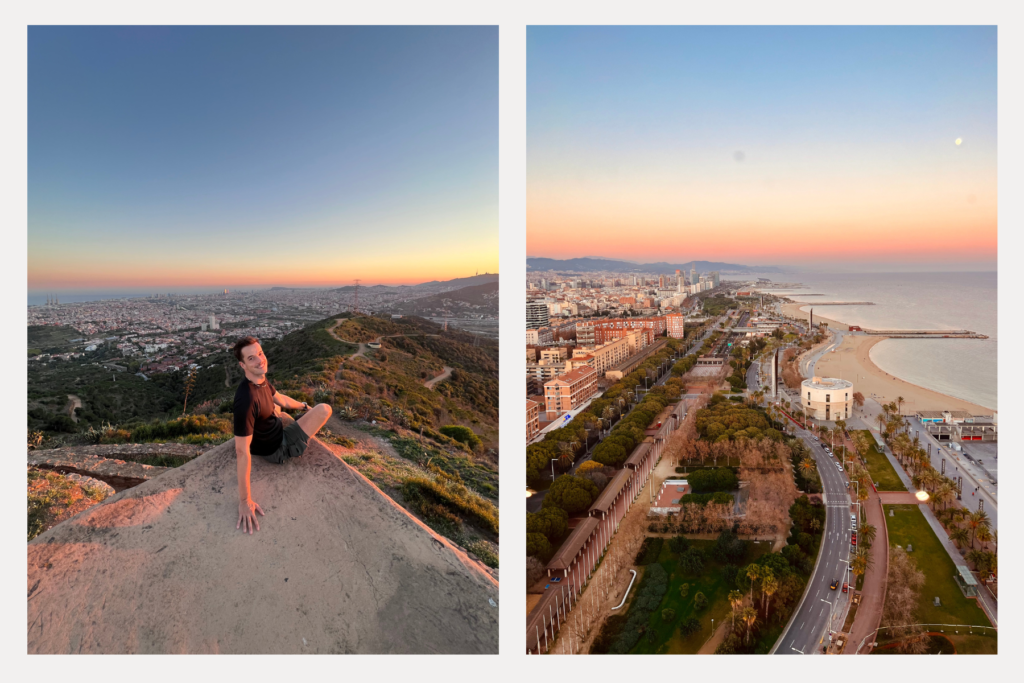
(753, 573)
(735, 600)
(860, 562)
(975, 557)
(768, 587)
(899, 404)
(975, 520)
(807, 466)
(984, 535)
(750, 617)
(867, 533)
(862, 491)
(959, 536)
(567, 455)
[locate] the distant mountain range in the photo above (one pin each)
(589, 264)
(432, 286)
(474, 300)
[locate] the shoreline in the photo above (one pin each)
(852, 361)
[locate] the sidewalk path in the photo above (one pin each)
(898, 498)
(869, 612)
(429, 384)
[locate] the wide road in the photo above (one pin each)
(753, 383)
(807, 632)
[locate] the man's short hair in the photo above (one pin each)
(241, 344)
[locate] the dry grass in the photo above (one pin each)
(53, 498)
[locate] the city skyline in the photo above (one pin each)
(163, 158)
(783, 146)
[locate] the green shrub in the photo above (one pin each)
(552, 522)
(463, 435)
(485, 551)
(651, 590)
(571, 493)
(446, 491)
(537, 544)
(712, 480)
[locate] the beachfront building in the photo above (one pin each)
(827, 398)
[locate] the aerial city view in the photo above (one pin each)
(761, 340)
(263, 340)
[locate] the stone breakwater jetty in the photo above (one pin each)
(337, 567)
(925, 334)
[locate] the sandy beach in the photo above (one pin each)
(794, 311)
(852, 361)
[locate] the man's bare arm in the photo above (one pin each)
(247, 508)
(288, 403)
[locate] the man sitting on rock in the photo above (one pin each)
(260, 427)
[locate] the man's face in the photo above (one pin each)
(253, 361)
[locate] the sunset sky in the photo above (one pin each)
(257, 156)
(797, 146)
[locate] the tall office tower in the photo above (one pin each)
(536, 315)
(693, 273)
(810, 320)
(213, 323)
(661, 282)
(544, 283)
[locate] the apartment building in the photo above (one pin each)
(570, 391)
(675, 325)
(542, 335)
(537, 315)
(532, 419)
(607, 355)
(597, 332)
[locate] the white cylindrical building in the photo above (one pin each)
(827, 398)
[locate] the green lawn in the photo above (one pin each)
(908, 526)
(710, 582)
(881, 469)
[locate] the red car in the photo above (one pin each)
(854, 541)
(846, 587)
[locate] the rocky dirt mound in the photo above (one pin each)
(337, 567)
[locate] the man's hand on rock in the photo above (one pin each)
(247, 516)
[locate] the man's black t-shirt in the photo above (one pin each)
(254, 415)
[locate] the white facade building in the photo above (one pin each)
(827, 398)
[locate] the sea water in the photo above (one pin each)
(962, 368)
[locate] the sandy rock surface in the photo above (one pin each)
(337, 567)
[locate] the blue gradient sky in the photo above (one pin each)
(232, 156)
(846, 133)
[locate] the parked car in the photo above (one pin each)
(846, 587)
(853, 540)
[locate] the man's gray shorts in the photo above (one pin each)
(293, 443)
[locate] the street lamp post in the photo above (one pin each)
(828, 625)
(553, 469)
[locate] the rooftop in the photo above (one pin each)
(827, 383)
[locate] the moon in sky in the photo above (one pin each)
(958, 141)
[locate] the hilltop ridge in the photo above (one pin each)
(337, 567)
